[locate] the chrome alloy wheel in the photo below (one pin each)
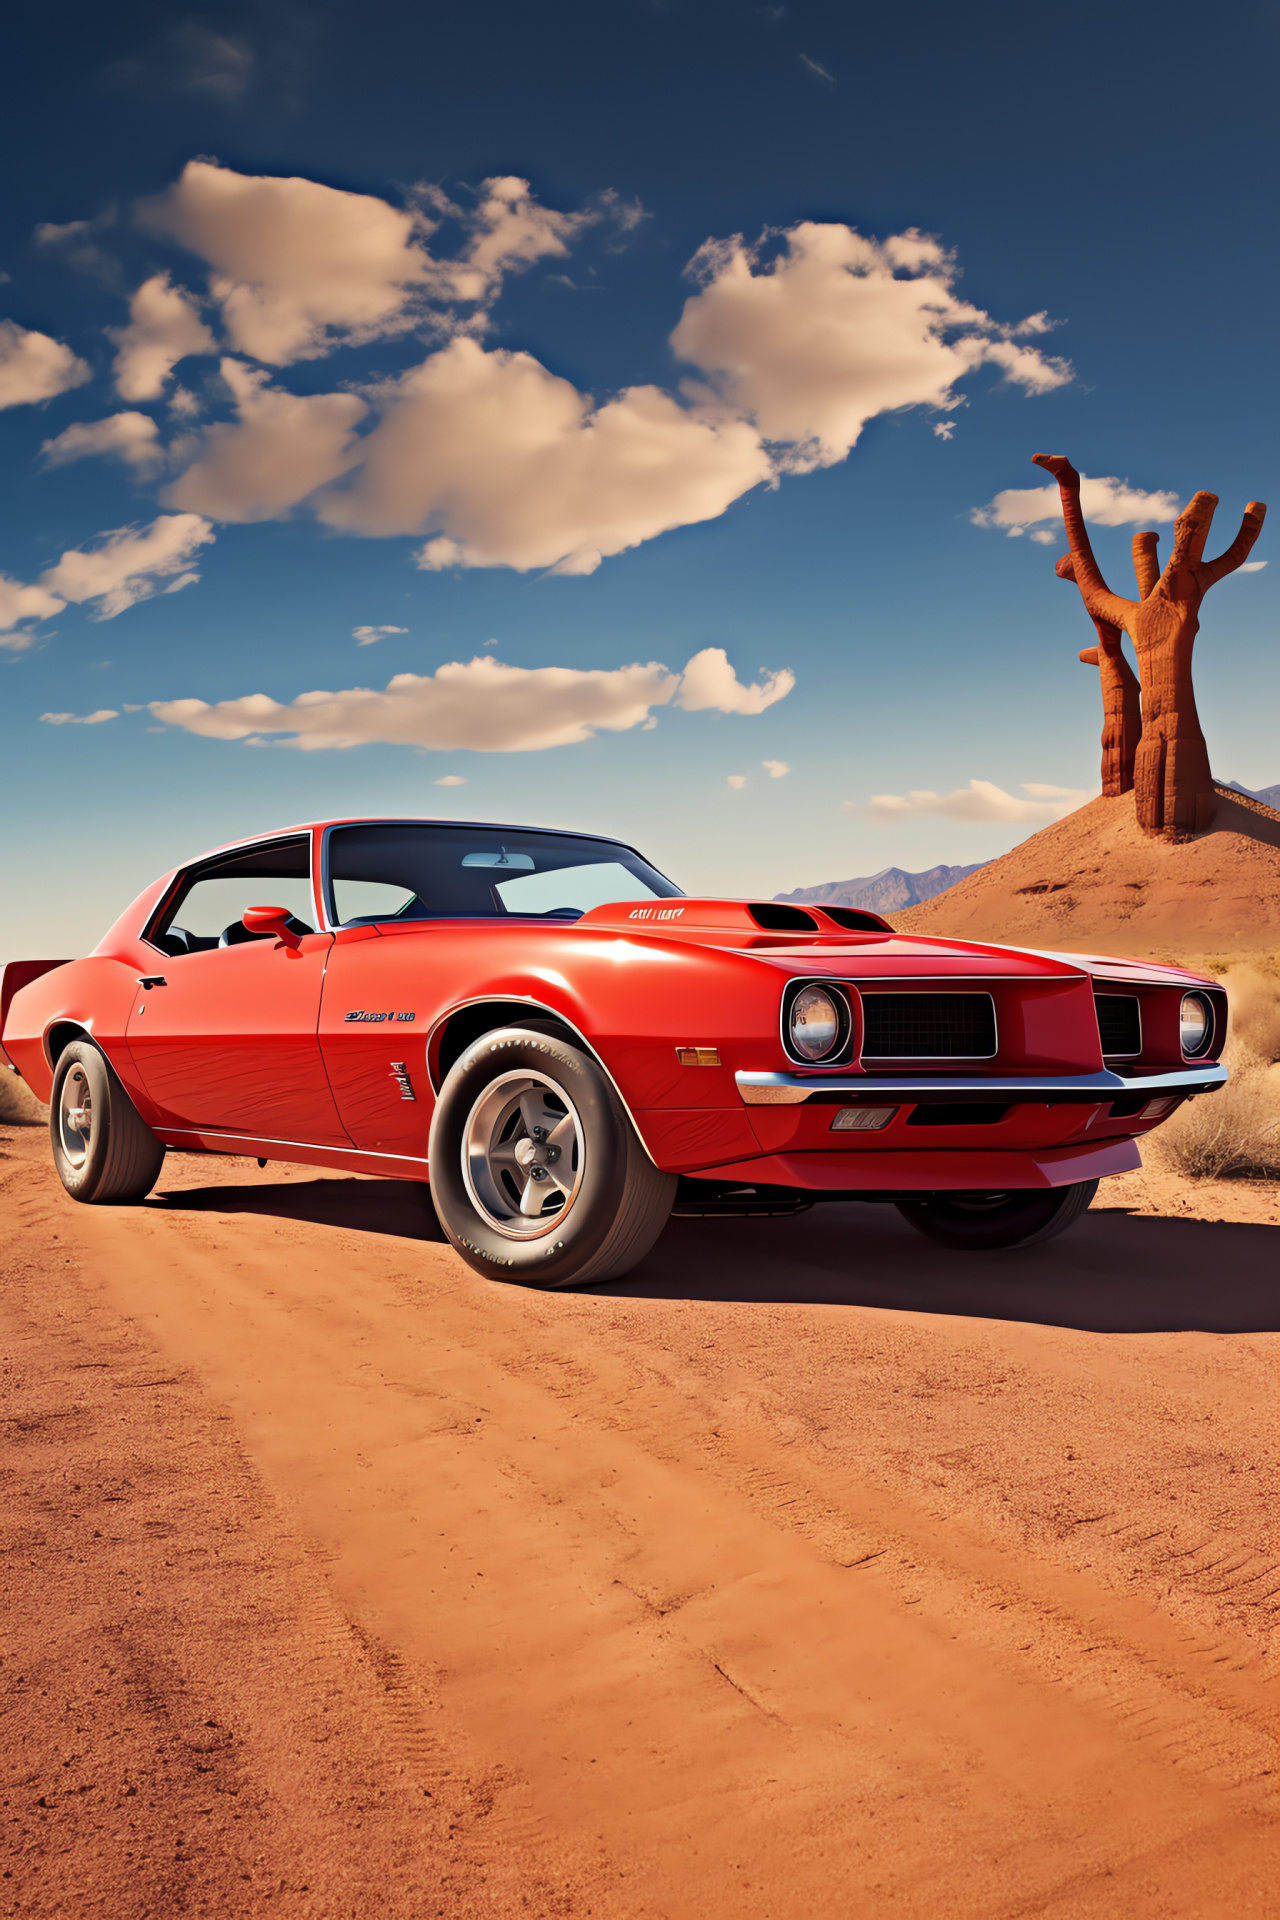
(75, 1115)
(522, 1154)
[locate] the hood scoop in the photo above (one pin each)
(734, 916)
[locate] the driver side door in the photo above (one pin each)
(225, 1037)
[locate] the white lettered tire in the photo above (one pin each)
(537, 1173)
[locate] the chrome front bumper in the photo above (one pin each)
(932, 1089)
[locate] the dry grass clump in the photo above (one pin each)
(1234, 1133)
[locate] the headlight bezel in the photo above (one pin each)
(841, 1050)
(1205, 1045)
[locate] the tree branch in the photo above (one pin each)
(1145, 565)
(1097, 595)
(1239, 550)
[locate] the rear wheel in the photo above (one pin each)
(536, 1171)
(102, 1148)
(982, 1221)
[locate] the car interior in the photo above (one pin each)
(204, 911)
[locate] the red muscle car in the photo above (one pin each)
(566, 1046)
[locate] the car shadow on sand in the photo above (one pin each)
(1113, 1272)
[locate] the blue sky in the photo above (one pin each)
(388, 352)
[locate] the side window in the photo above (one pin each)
(206, 910)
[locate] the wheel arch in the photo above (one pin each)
(60, 1035)
(455, 1031)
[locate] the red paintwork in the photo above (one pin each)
(247, 1049)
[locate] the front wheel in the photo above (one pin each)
(102, 1148)
(982, 1221)
(536, 1171)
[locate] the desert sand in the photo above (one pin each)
(812, 1570)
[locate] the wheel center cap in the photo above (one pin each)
(536, 1153)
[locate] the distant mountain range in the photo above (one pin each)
(1269, 796)
(887, 891)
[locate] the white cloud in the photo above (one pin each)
(129, 563)
(20, 603)
(450, 780)
(709, 681)
(481, 704)
(1252, 566)
(981, 801)
(369, 636)
(836, 328)
(133, 436)
(164, 327)
(1043, 538)
(299, 268)
(814, 68)
(1108, 502)
(736, 780)
(33, 367)
(80, 719)
(776, 769)
(516, 468)
(280, 448)
(943, 429)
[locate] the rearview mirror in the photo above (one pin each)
(271, 920)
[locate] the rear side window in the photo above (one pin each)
(410, 872)
(205, 911)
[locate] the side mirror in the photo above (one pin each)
(271, 920)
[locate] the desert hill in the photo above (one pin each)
(1096, 880)
(885, 892)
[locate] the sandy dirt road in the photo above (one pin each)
(811, 1571)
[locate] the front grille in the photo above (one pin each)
(966, 1113)
(928, 1026)
(1119, 1024)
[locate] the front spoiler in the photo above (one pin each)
(933, 1089)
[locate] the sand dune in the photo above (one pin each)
(1096, 878)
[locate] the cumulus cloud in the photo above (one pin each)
(735, 780)
(33, 367)
(280, 447)
(481, 704)
(1252, 566)
(164, 327)
(370, 636)
(299, 268)
(133, 437)
(709, 681)
(1108, 502)
(982, 801)
(776, 769)
(450, 780)
(509, 465)
(834, 328)
(20, 608)
(80, 719)
(130, 563)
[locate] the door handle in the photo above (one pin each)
(149, 980)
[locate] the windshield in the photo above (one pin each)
(419, 872)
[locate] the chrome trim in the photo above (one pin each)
(790, 1090)
(1203, 994)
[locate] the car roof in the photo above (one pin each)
(398, 820)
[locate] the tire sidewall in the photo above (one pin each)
(556, 1257)
(82, 1182)
(1031, 1216)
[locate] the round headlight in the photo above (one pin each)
(815, 1023)
(1195, 1024)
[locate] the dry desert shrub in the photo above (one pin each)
(1231, 1134)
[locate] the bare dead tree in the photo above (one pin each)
(1121, 699)
(1172, 779)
